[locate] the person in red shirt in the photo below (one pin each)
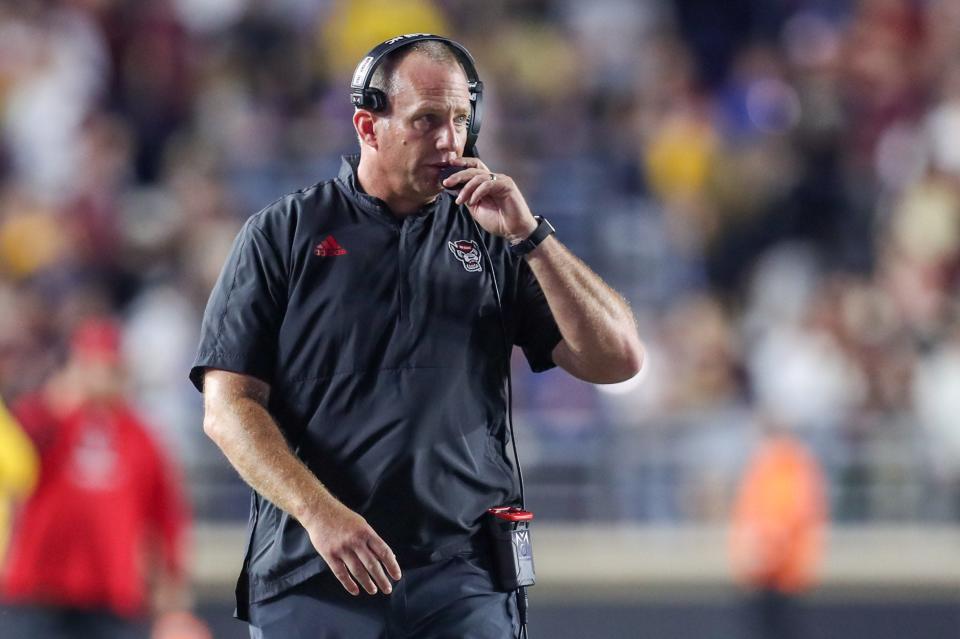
(106, 520)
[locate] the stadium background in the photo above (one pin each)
(773, 184)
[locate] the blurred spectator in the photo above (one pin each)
(777, 530)
(936, 393)
(18, 471)
(106, 522)
(54, 72)
(354, 26)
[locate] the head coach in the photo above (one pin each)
(354, 360)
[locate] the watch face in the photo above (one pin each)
(542, 231)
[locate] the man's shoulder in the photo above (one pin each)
(307, 205)
(302, 201)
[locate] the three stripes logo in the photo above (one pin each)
(329, 247)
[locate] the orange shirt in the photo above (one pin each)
(779, 517)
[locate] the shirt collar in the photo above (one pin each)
(348, 178)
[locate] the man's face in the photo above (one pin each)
(425, 126)
(98, 377)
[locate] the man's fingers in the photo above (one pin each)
(375, 570)
(454, 177)
(339, 570)
(357, 557)
(386, 557)
(484, 189)
(475, 163)
(461, 176)
(466, 193)
(359, 573)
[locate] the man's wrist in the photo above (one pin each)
(542, 231)
(316, 508)
(524, 233)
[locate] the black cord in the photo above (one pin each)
(513, 435)
(522, 600)
(508, 348)
(522, 604)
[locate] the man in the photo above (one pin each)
(354, 358)
(106, 521)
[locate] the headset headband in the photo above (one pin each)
(364, 97)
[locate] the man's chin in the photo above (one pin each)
(429, 189)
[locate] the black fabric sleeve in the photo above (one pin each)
(537, 332)
(245, 309)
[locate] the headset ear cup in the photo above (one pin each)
(377, 99)
(370, 99)
(476, 119)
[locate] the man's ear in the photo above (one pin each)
(363, 124)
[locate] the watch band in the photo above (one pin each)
(544, 229)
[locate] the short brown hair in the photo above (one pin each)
(384, 77)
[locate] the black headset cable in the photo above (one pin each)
(521, 593)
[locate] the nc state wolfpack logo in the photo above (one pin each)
(468, 253)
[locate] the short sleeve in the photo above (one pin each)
(536, 332)
(245, 310)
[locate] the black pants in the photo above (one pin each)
(776, 615)
(453, 599)
(50, 622)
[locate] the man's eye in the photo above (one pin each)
(462, 120)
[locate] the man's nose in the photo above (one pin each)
(447, 138)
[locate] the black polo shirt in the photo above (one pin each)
(384, 347)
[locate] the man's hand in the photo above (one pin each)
(355, 553)
(179, 625)
(493, 199)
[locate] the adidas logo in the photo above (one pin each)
(329, 247)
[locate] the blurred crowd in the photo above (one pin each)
(773, 184)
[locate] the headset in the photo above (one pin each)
(364, 97)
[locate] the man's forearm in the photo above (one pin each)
(600, 341)
(597, 325)
(251, 440)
